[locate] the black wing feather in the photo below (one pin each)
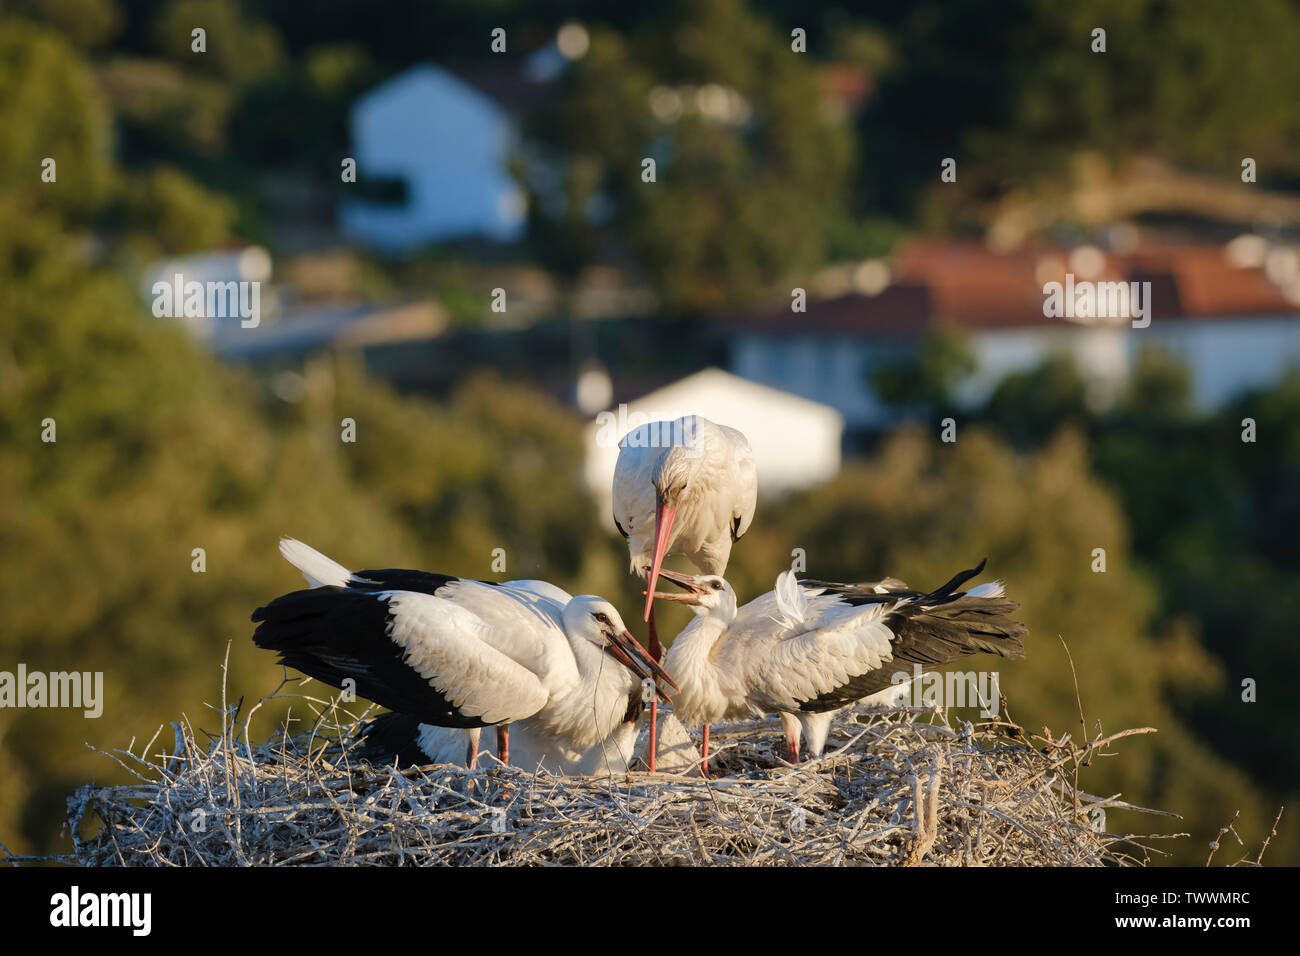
(333, 634)
(392, 737)
(399, 579)
(930, 630)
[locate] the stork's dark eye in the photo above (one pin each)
(717, 585)
(602, 618)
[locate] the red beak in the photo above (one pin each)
(627, 650)
(663, 534)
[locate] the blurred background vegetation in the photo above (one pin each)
(163, 448)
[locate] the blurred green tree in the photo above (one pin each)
(748, 169)
(921, 385)
(50, 108)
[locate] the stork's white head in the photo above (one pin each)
(709, 595)
(673, 474)
(593, 619)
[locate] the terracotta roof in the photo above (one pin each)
(936, 282)
(1209, 285)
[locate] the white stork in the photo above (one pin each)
(452, 652)
(683, 487)
(808, 648)
(405, 739)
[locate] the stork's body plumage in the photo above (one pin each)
(683, 487)
(402, 738)
(405, 739)
(452, 652)
(808, 648)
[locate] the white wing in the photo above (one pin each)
(467, 660)
(788, 658)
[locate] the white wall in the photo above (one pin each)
(832, 371)
(1226, 356)
(1229, 356)
(451, 145)
(1100, 354)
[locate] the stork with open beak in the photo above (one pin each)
(682, 487)
(452, 652)
(808, 648)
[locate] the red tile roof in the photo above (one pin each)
(965, 284)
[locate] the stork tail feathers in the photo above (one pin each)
(979, 623)
(319, 570)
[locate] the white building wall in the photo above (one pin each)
(831, 371)
(1229, 356)
(451, 146)
(1101, 355)
(1226, 357)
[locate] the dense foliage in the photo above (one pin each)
(160, 450)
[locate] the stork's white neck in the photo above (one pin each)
(590, 709)
(706, 694)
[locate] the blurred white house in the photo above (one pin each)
(796, 442)
(449, 145)
(1234, 320)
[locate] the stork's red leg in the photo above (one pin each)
(704, 747)
(471, 751)
(657, 653)
(503, 743)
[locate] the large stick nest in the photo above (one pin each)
(898, 788)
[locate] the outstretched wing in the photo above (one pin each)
(416, 653)
(825, 645)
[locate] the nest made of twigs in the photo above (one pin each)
(897, 788)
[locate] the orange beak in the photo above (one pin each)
(663, 534)
(684, 581)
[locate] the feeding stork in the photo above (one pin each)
(808, 648)
(403, 738)
(452, 652)
(682, 487)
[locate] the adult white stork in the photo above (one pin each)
(682, 487)
(808, 648)
(403, 738)
(453, 652)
